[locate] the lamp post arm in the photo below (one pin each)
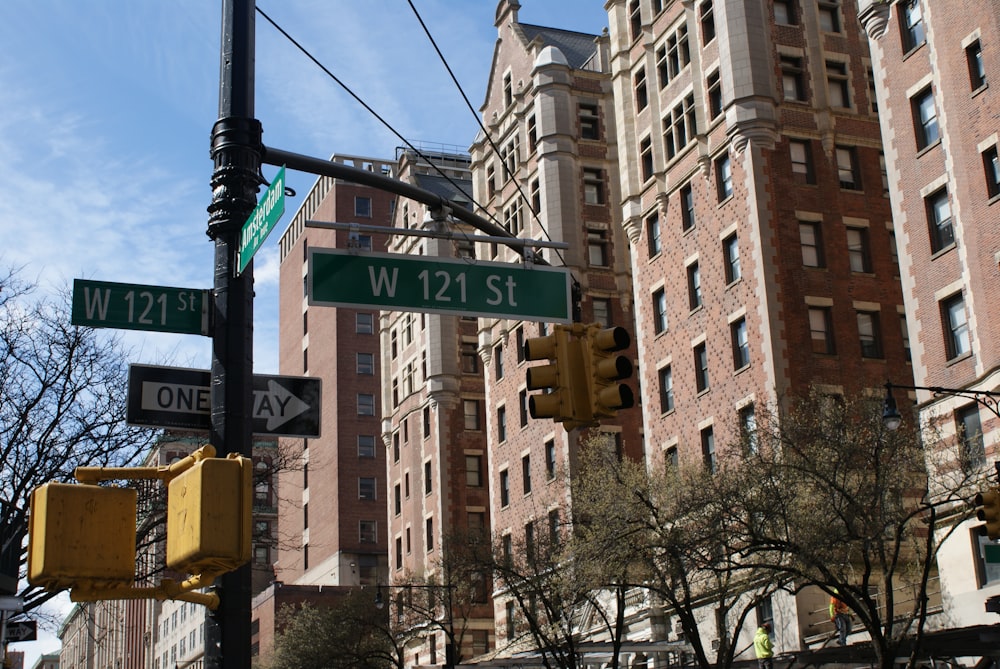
(985, 398)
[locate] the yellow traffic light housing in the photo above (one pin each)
(564, 399)
(604, 368)
(988, 502)
(209, 516)
(81, 534)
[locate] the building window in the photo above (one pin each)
(470, 409)
(680, 127)
(666, 378)
(714, 86)
(701, 367)
(972, 452)
(956, 326)
(428, 478)
(992, 167)
(366, 363)
(597, 248)
(366, 446)
(474, 471)
(593, 186)
(792, 79)
(646, 158)
(653, 240)
(602, 311)
(491, 180)
(838, 85)
(885, 174)
(829, 15)
(872, 91)
(939, 224)
(508, 90)
(911, 24)
(427, 421)
(498, 361)
(368, 531)
(694, 286)
(687, 208)
(535, 187)
(723, 177)
(847, 168)
(429, 531)
(532, 130)
(362, 207)
(802, 162)
(708, 449)
(504, 488)
(470, 358)
(905, 333)
(821, 330)
(731, 258)
(363, 323)
(977, 70)
(522, 407)
(550, 459)
(707, 15)
(641, 93)
(366, 404)
(397, 500)
(784, 12)
(659, 311)
(635, 19)
(748, 428)
(868, 333)
(858, 251)
(501, 424)
(589, 121)
(741, 343)
(925, 118)
(671, 459)
(526, 473)
(366, 488)
(811, 241)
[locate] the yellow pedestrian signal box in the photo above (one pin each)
(988, 502)
(209, 522)
(604, 368)
(81, 533)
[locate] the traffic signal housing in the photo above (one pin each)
(209, 516)
(988, 509)
(81, 534)
(563, 400)
(604, 368)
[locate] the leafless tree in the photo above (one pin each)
(62, 405)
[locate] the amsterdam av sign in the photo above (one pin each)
(287, 406)
(455, 286)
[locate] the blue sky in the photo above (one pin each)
(107, 108)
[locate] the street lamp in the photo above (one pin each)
(449, 629)
(892, 419)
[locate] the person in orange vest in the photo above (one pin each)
(840, 615)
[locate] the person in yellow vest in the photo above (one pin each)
(840, 615)
(763, 648)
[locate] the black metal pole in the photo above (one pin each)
(235, 150)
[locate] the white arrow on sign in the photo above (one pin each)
(277, 404)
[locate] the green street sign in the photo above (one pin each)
(263, 219)
(456, 286)
(991, 553)
(103, 304)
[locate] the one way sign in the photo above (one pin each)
(287, 406)
(21, 630)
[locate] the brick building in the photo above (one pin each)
(546, 169)
(333, 513)
(933, 63)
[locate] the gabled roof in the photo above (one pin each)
(577, 47)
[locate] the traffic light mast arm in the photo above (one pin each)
(168, 589)
(95, 475)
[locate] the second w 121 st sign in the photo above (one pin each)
(456, 286)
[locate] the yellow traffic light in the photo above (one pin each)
(563, 401)
(989, 510)
(604, 368)
(81, 533)
(209, 509)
